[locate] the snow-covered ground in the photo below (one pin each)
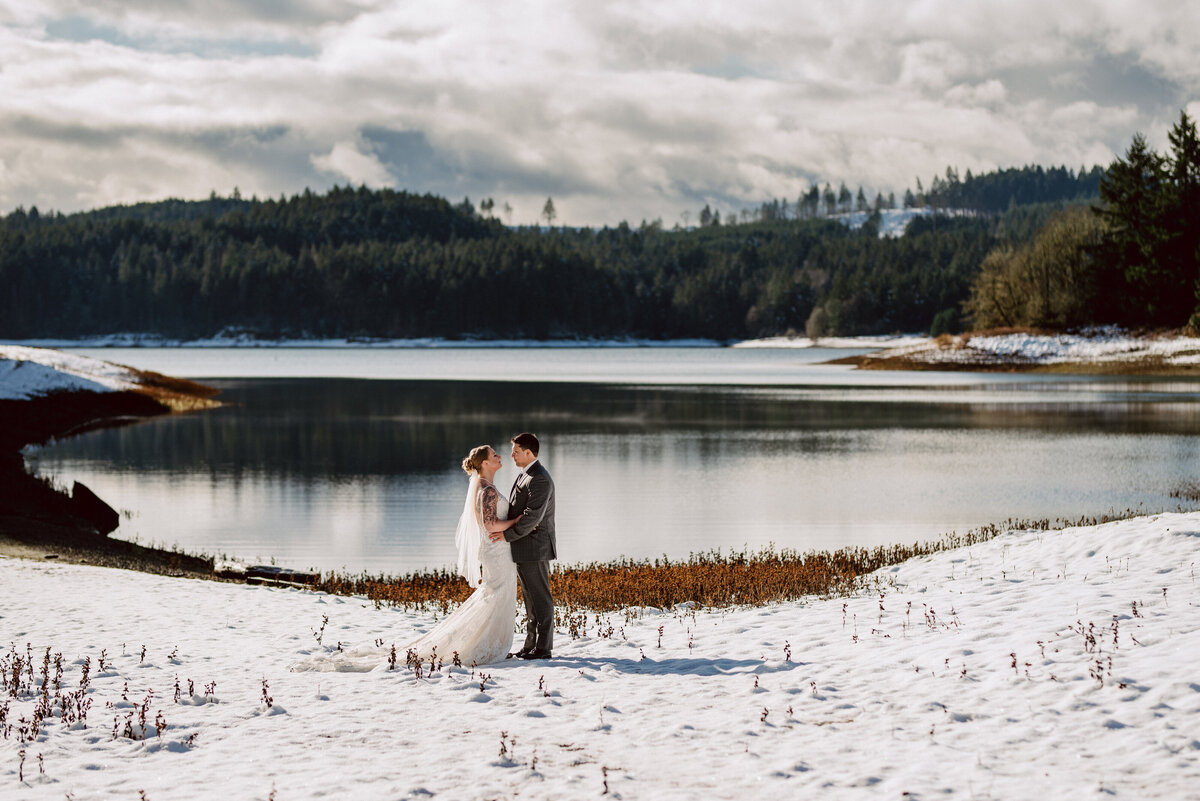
(27, 372)
(1058, 665)
(1096, 347)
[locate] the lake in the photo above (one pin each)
(348, 458)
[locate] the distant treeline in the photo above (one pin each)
(990, 193)
(383, 263)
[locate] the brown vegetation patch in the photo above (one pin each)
(1188, 492)
(917, 364)
(177, 394)
(710, 579)
(1142, 366)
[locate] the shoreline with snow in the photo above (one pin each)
(1100, 351)
(32, 372)
(1096, 351)
(1056, 663)
(48, 394)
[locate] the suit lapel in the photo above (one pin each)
(516, 487)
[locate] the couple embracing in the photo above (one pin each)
(501, 541)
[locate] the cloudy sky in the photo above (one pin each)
(617, 110)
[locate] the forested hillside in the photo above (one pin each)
(358, 262)
(1133, 259)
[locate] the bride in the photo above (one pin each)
(481, 630)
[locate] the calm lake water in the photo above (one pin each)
(332, 458)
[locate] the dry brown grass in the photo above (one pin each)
(177, 394)
(1189, 491)
(709, 579)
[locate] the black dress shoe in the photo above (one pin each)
(517, 654)
(536, 653)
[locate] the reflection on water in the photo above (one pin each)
(327, 472)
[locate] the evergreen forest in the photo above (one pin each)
(355, 262)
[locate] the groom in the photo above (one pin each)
(533, 546)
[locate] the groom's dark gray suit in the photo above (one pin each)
(533, 548)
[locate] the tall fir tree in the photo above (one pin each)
(1134, 202)
(1184, 247)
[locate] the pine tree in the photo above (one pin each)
(1184, 249)
(844, 198)
(1134, 203)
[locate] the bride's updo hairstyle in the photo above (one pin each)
(475, 459)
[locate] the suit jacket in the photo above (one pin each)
(532, 538)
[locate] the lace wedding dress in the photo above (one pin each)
(481, 630)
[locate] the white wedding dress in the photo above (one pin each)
(480, 631)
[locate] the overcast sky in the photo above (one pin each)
(618, 110)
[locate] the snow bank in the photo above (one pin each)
(1099, 346)
(1041, 664)
(31, 372)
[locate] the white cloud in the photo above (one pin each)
(931, 65)
(618, 110)
(347, 162)
(989, 93)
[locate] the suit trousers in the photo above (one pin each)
(539, 606)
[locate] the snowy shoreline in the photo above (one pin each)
(1104, 349)
(1101, 349)
(1056, 663)
(28, 372)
